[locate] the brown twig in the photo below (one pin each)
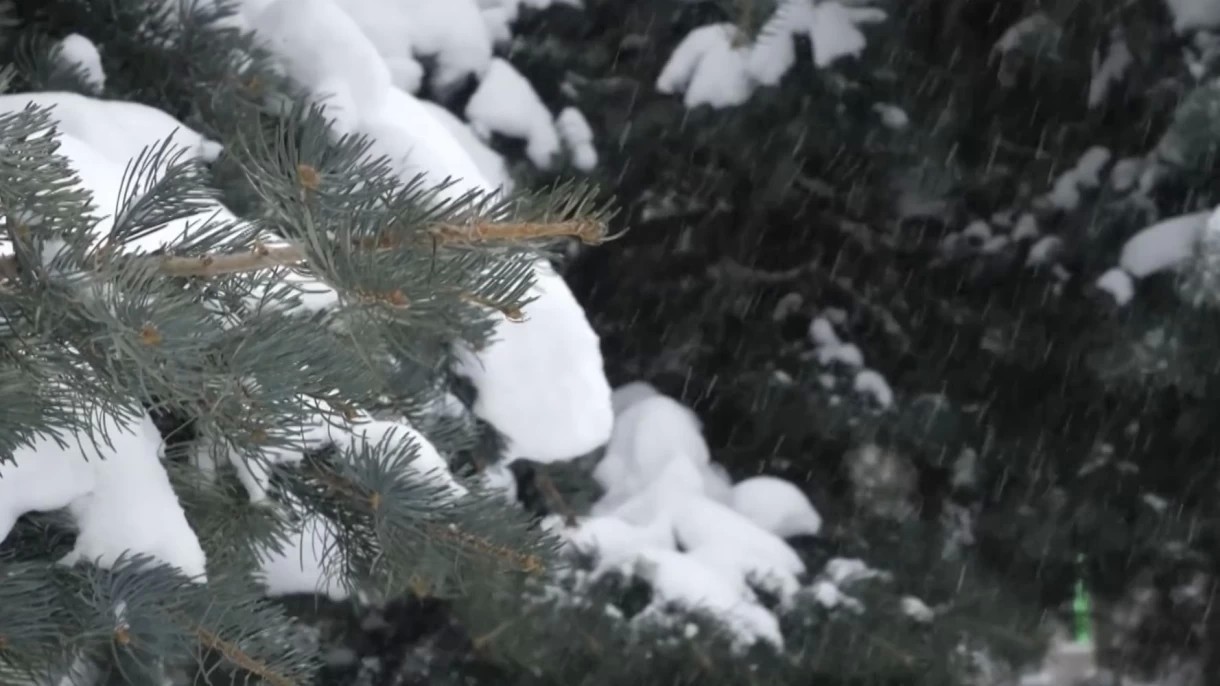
(262, 257)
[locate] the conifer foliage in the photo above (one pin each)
(225, 312)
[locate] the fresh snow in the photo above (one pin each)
(834, 31)
(1043, 251)
(917, 610)
(323, 49)
(846, 354)
(1194, 15)
(646, 437)
(1118, 284)
(302, 565)
(118, 494)
(77, 50)
(978, 230)
(1026, 228)
(892, 116)
(872, 383)
(629, 394)
(709, 68)
(541, 382)
(776, 505)
(832, 28)
(454, 35)
(505, 103)
(662, 491)
(491, 164)
(387, 26)
(822, 332)
(1163, 245)
(577, 136)
(849, 570)
(683, 581)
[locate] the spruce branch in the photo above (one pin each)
(239, 658)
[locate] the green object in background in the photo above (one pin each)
(1082, 609)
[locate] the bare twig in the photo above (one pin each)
(290, 255)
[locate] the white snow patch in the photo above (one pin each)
(577, 136)
(323, 49)
(830, 596)
(822, 332)
(1026, 228)
(978, 230)
(685, 582)
(892, 116)
(648, 435)
(490, 163)
(77, 50)
(849, 570)
(505, 103)
(873, 384)
(1163, 245)
(302, 565)
(834, 31)
(1088, 167)
(541, 382)
(629, 394)
(710, 67)
(917, 610)
(776, 505)
(119, 495)
(846, 354)
(1126, 173)
(832, 28)
(1194, 15)
(454, 35)
(1044, 251)
(1118, 284)
(387, 26)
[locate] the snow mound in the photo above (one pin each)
(505, 103)
(387, 26)
(710, 67)
(577, 136)
(491, 164)
(79, 51)
(324, 50)
(541, 382)
(646, 437)
(777, 506)
(454, 35)
(119, 495)
(1194, 15)
(1163, 245)
(832, 28)
(1118, 284)
(629, 394)
(663, 491)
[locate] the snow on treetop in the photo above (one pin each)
(719, 66)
